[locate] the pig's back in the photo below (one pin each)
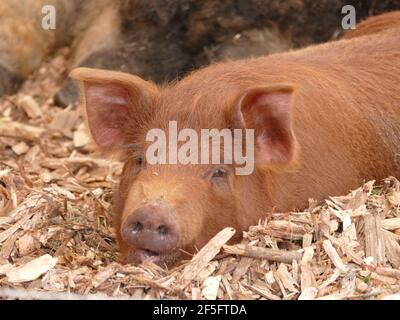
(345, 62)
(346, 112)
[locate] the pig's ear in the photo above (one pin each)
(112, 100)
(267, 110)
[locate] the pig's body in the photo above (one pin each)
(326, 118)
(346, 113)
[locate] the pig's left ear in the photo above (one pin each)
(267, 110)
(114, 103)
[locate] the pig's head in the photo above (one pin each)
(165, 212)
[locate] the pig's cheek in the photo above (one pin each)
(190, 217)
(188, 233)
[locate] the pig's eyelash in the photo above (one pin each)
(129, 146)
(135, 153)
(136, 156)
(120, 147)
(133, 148)
(139, 159)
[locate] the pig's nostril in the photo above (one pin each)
(162, 230)
(152, 228)
(137, 227)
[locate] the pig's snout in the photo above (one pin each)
(152, 228)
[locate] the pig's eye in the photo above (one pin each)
(139, 162)
(219, 173)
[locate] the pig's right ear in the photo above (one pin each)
(112, 101)
(267, 110)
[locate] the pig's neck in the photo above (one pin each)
(257, 197)
(285, 192)
(266, 192)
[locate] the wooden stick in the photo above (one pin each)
(389, 272)
(205, 255)
(263, 292)
(263, 253)
(333, 255)
(19, 130)
(23, 294)
(307, 277)
(309, 293)
(391, 224)
(53, 163)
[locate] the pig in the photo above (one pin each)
(325, 118)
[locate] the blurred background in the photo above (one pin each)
(160, 40)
